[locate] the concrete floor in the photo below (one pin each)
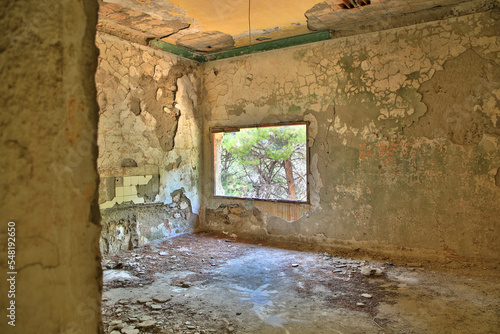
(204, 284)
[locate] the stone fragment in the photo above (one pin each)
(116, 324)
(143, 300)
(146, 324)
(185, 285)
(161, 299)
(366, 295)
(155, 307)
(295, 265)
(145, 318)
(360, 304)
(130, 330)
(369, 271)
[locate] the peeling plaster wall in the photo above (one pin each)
(404, 139)
(126, 228)
(49, 180)
(149, 134)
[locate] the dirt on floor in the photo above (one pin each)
(206, 283)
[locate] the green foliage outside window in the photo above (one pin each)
(265, 163)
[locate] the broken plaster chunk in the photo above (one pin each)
(369, 271)
(360, 304)
(161, 299)
(116, 324)
(366, 295)
(146, 324)
(295, 265)
(185, 285)
(130, 330)
(155, 307)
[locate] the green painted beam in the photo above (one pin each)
(271, 45)
(176, 50)
(244, 50)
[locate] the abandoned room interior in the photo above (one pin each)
(251, 166)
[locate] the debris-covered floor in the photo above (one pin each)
(200, 283)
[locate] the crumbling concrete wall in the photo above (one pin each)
(48, 150)
(149, 132)
(404, 139)
(128, 227)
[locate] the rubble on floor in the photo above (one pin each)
(202, 283)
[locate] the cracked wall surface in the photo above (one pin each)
(149, 131)
(125, 228)
(49, 178)
(404, 144)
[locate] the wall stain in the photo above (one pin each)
(455, 97)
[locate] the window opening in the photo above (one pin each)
(263, 162)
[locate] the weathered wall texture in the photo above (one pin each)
(48, 152)
(149, 133)
(125, 228)
(404, 141)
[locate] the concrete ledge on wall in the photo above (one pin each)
(125, 228)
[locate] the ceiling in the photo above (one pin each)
(205, 27)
